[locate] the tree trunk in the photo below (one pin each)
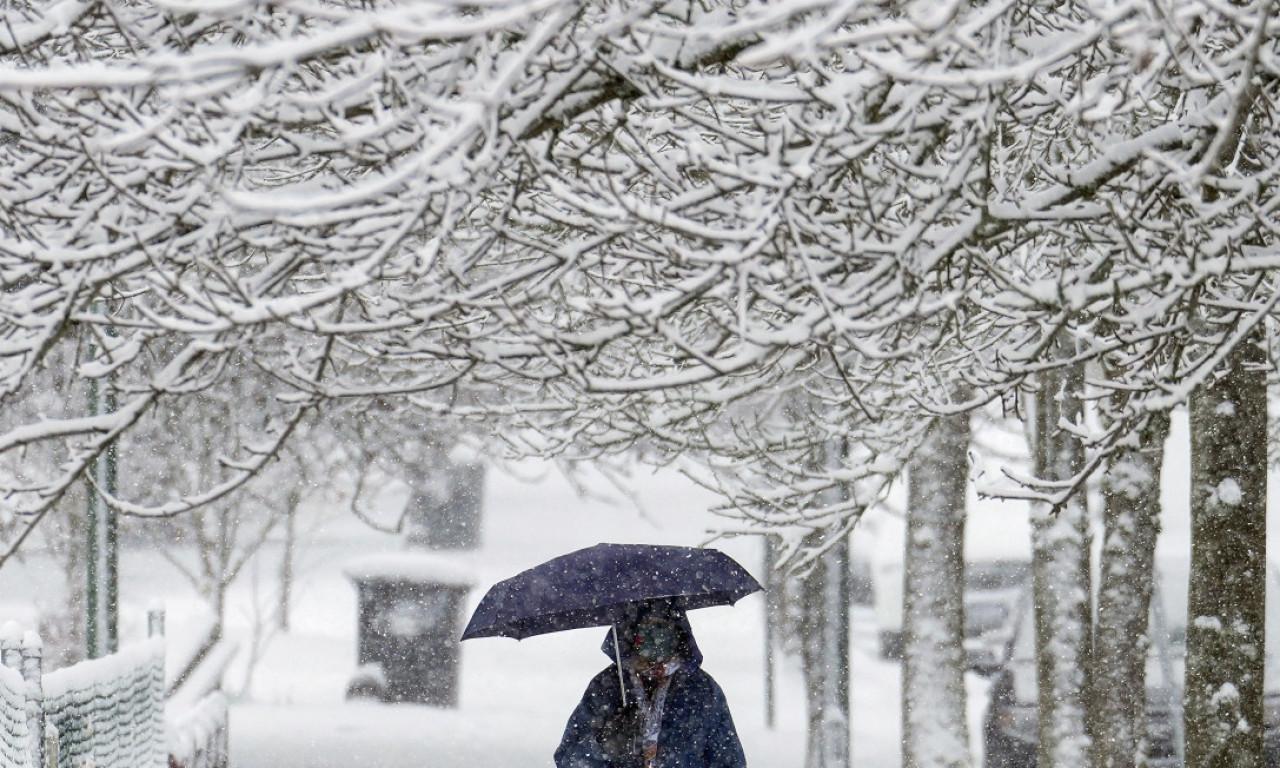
(1060, 564)
(1131, 498)
(934, 727)
(1226, 603)
(286, 560)
(825, 648)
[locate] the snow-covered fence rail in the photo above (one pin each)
(198, 736)
(196, 712)
(104, 713)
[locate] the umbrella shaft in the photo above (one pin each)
(617, 657)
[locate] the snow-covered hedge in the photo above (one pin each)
(109, 712)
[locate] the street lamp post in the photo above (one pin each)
(101, 566)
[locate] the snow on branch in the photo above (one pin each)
(740, 231)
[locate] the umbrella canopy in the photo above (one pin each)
(594, 587)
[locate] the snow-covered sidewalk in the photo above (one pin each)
(516, 697)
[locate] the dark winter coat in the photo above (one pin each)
(696, 732)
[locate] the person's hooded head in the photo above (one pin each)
(654, 632)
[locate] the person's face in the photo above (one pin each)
(655, 640)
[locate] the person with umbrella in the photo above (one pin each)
(664, 712)
(654, 707)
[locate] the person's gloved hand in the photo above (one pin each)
(619, 736)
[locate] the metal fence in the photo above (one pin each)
(109, 712)
(103, 713)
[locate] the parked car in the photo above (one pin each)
(992, 590)
(1010, 721)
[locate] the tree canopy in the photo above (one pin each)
(734, 228)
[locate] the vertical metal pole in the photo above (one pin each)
(11, 645)
(33, 674)
(102, 595)
(155, 621)
(770, 628)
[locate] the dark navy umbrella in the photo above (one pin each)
(597, 586)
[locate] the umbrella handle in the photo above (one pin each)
(617, 658)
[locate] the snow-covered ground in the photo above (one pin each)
(514, 696)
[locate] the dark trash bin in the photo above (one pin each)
(409, 620)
